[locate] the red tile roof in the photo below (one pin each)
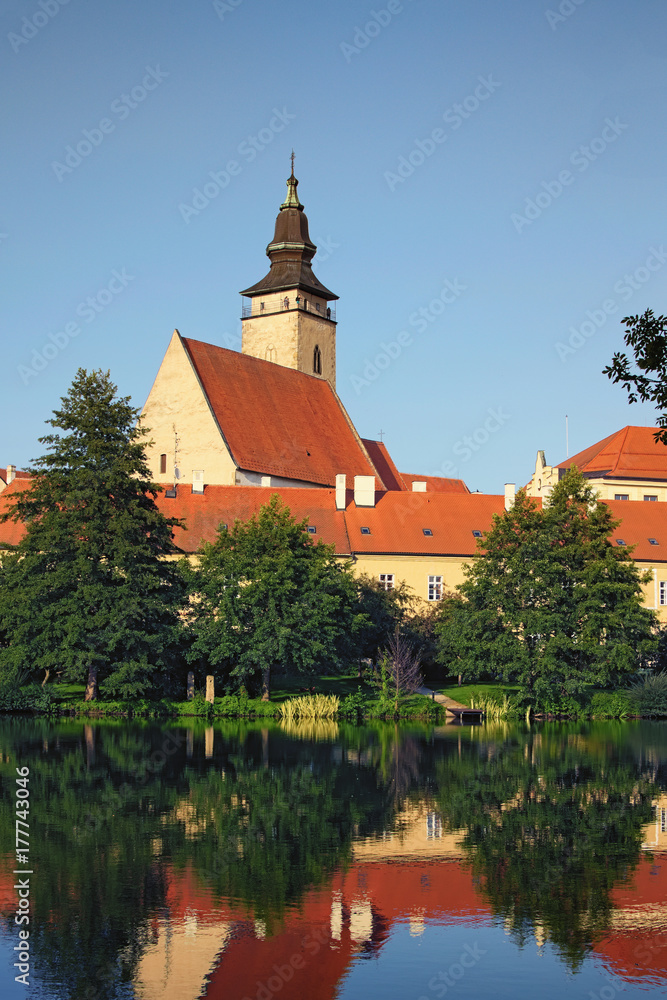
(384, 464)
(11, 532)
(638, 524)
(398, 520)
(436, 484)
(18, 474)
(203, 512)
(631, 453)
(278, 421)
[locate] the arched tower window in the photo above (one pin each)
(317, 360)
(270, 354)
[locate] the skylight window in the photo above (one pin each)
(427, 531)
(365, 531)
(653, 541)
(312, 529)
(620, 541)
(476, 533)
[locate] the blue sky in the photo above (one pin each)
(485, 181)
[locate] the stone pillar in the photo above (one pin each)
(210, 688)
(191, 685)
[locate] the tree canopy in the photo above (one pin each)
(266, 596)
(88, 590)
(549, 602)
(647, 336)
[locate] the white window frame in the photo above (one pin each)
(387, 581)
(662, 599)
(435, 588)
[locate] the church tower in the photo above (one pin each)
(290, 318)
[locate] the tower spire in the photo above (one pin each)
(292, 199)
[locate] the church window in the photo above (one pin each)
(317, 360)
(270, 353)
(163, 464)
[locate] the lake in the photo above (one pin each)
(324, 861)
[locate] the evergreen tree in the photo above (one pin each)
(89, 592)
(266, 596)
(549, 602)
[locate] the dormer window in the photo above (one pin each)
(317, 360)
(365, 531)
(653, 541)
(620, 541)
(427, 531)
(312, 530)
(476, 533)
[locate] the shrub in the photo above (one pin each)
(650, 694)
(612, 705)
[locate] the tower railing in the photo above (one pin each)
(291, 303)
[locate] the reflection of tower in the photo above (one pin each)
(290, 318)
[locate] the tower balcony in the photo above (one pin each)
(273, 304)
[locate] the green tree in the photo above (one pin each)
(647, 336)
(265, 597)
(549, 602)
(88, 591)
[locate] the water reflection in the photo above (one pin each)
(167, 855)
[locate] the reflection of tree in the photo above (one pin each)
(552, 824)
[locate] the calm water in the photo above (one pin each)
(241, 861)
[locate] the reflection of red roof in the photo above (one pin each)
(436, 484)
(203, 512)
(382, 461)
(631, 453)
(639, 949)
(278, 421)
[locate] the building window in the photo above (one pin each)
(317, 360)
(620, 541)
(317, 306)
(427, 531)
(663, 592)
(365, 531)
(621, 496)
(312, 529)
(650, 496)
(163, 464)
(435, 588)
(270, 353)
(653, 541)
(387, 581)
(476, 533)
(261, 307)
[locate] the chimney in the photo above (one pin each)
(364, 491)
(510, 493)
(340, 492)
(418, 487)
(11, 474)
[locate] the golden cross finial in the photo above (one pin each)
(292, 158)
